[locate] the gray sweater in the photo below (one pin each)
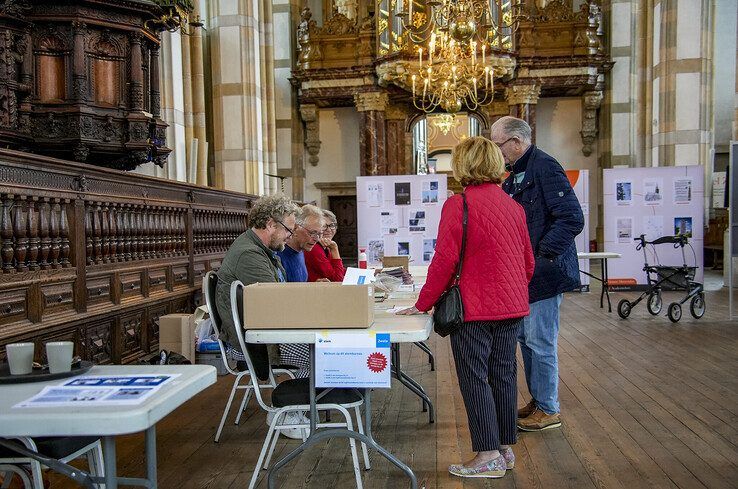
(249, 261)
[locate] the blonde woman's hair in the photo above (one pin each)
(477, 160)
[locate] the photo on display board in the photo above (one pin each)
(682, 190)
(402, 193)
(374, 193)
(429, 194)
(624, 193)
(375, 251)
(429, 248)
(653, 191)
(416, 221)
(403, 248)
(625, 229)
(683, 226)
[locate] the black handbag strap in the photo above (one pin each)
(463, 239)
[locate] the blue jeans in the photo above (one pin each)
(538, 343)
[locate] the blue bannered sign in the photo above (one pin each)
(352, 360)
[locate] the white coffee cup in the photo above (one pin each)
(59, 355)
(20, 358)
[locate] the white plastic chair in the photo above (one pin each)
(337, 399)
(209, 284)
(14, 463)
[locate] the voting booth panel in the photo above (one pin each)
(657, 201)
(398, 215)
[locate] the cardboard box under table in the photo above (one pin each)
(177, 333)
(308, 306)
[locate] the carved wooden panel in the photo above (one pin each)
(98, 292)
(13, 306)
(57, 298)
(98, 255)
(131, 335)
(97, 342)
(130, 285)
(152, 336)
(157, 280)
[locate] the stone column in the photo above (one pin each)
(399, 153)
(241, 53)
(197, 74)
(372, 140)
(155, 101)
(522, 100)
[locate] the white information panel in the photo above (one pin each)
(654, 201)
(579, 180)
(352, 360)
(399, 215)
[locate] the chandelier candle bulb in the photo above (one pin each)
(483, 48)
(420, 58)
(410, 9)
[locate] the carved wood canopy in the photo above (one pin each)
(80, 80)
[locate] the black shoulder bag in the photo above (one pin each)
(448, 313)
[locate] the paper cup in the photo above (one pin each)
(59, 355)
(20, 358)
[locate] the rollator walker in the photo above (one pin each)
(663, 277)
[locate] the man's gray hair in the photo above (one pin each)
(512, 127)
(276, 207)
(330, 216)
(306, 211)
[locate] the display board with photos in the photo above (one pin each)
(579, 180)
(399, 215)
(654, 201)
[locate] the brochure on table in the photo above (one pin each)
(359, 360)
(399, 215)
(99, 390)
(655, 201)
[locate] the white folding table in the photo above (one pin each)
(603, 256)
(104, 421)
(402, 329)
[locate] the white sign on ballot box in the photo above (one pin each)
(352, 360)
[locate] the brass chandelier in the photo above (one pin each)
(457, 42)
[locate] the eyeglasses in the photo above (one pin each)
(506, 141)
(290, 231)
(313, 234)
(331, 226)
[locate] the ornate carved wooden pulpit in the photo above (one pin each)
(80, 79)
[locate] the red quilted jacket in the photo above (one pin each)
(498, 260)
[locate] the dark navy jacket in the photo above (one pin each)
(554, 218)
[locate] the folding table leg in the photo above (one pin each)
(151, 456)
(111, 468)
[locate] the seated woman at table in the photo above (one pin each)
(324, 262)
(498, 264)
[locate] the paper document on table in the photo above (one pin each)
(352, 360)
(99, 390)
(358, 276)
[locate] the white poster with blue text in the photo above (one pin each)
(352, 360)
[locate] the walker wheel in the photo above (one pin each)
(697, 306)
(655, 303)
(674, 312)
(624, 308)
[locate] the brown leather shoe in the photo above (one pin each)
(527, 410)
(539, 421)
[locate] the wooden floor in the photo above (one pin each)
(645, 403)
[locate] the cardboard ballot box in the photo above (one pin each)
(177, 333)
(308, 306)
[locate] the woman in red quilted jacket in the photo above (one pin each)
(498, 264)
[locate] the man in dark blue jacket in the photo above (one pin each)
(538, 183)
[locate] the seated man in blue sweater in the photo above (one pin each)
(306, 234)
